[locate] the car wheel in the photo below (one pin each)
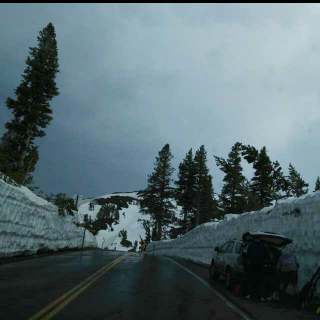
(229, 281)
(214, 275)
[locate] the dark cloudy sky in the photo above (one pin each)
(137, 76)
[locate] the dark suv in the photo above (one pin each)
(229, 259)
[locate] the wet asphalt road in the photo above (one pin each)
(122, 286)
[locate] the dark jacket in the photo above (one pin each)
(257, 253)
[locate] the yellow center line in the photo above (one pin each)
(66, 302)
(54, 303)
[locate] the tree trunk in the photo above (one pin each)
(184, 226)
(232, 198)
(198, 216)
(26, 144)
(198, 213)
(26, 174)
(159, 228)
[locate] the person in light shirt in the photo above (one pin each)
(287, 268)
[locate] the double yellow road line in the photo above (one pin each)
(74, 292)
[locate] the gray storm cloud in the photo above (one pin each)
(137, 76)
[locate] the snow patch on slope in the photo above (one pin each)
(108, 239)
(128, 220)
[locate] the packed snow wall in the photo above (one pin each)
(297, 218)
(29, 223)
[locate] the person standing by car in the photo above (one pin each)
(256, 257)
(287, 268)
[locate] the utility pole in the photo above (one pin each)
(77, 200)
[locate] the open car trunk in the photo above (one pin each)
(270, 238)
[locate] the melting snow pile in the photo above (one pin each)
(297, 218)
(29, 223)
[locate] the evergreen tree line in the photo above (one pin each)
(194, 191)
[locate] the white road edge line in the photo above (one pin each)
(228, 303)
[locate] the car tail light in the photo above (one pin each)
(240, 260)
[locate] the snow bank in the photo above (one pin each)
(297, 218)
(29, 223)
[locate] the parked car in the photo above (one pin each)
(229, 259)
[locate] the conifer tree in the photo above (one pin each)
(251, 200)
(110, 213)
(280, 182)
(123, 234)
(208, 208)
(262, 182)
(232, 193)
(9, 148)
(31, 109)
(317, 187)
(64, 203)
(156, 198)
(203, 187)
(268, 183)
(186, 187)
(296, 185)
(107, 215)
(147, 227)
(154, 234)
(8, 154)
(135, 245)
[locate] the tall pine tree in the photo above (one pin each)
(317, 186)
(297, 185)
(280, 184)
(262, 183)
(209, 206)
(251, 200)
(31, 109)
(156, 198)
(232, 193)
(268, 183)
(186, 187)
(205, 205)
